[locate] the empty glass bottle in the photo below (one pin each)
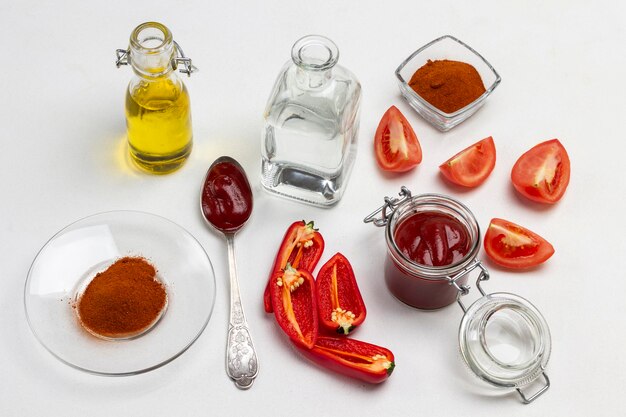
(311, 125)
(158, 113)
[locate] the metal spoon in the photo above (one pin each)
(226, 204)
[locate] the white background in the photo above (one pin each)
(62, 156)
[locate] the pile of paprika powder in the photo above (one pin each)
(447, 85)
(123, 301)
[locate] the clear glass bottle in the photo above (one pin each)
(158, 113)
(311, 125)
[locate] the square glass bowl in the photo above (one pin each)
(445, 47)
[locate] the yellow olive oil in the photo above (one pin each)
(158, 121)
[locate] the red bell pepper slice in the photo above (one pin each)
(339, 300)
(302, 247)
(295, 305)
(353, 358)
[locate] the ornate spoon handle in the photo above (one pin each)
(242, 364)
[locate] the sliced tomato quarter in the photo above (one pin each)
(395, 144)
(513, 246)
(542, 173)
(471, 166)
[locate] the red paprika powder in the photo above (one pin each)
(447, 85)
(122, 301)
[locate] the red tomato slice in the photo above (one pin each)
(542, 173)
(396, 145)
(513, 246)
(472, 165)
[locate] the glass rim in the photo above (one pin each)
(137, 44)
(315, 40)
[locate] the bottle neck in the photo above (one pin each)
(152, 50)
(314, 56)
(310, 80)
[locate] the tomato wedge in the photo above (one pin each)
(542, 173)
(396, 145)
(513, 246)
(472, 165)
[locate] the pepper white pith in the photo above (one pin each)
(344, 318)
(290, 279)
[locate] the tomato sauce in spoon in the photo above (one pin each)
(226, 203)
(226, 195)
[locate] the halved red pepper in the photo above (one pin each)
(353, 358)
(302, 248)
(339, 300)
(295, 305)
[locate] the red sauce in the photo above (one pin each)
(429, 239)
(226, 195)
(433, 239)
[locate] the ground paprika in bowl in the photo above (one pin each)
(447, 85)
(446, 81)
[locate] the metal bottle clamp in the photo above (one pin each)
(386, 210)
(123, 55)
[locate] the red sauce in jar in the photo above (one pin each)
(430, 239)
(433, 239)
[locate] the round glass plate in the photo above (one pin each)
(72, 257)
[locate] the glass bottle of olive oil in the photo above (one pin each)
(158, 114)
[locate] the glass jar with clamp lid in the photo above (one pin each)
(432, 246)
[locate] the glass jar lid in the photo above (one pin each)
(504, 340)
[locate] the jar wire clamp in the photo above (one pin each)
(390, 204)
